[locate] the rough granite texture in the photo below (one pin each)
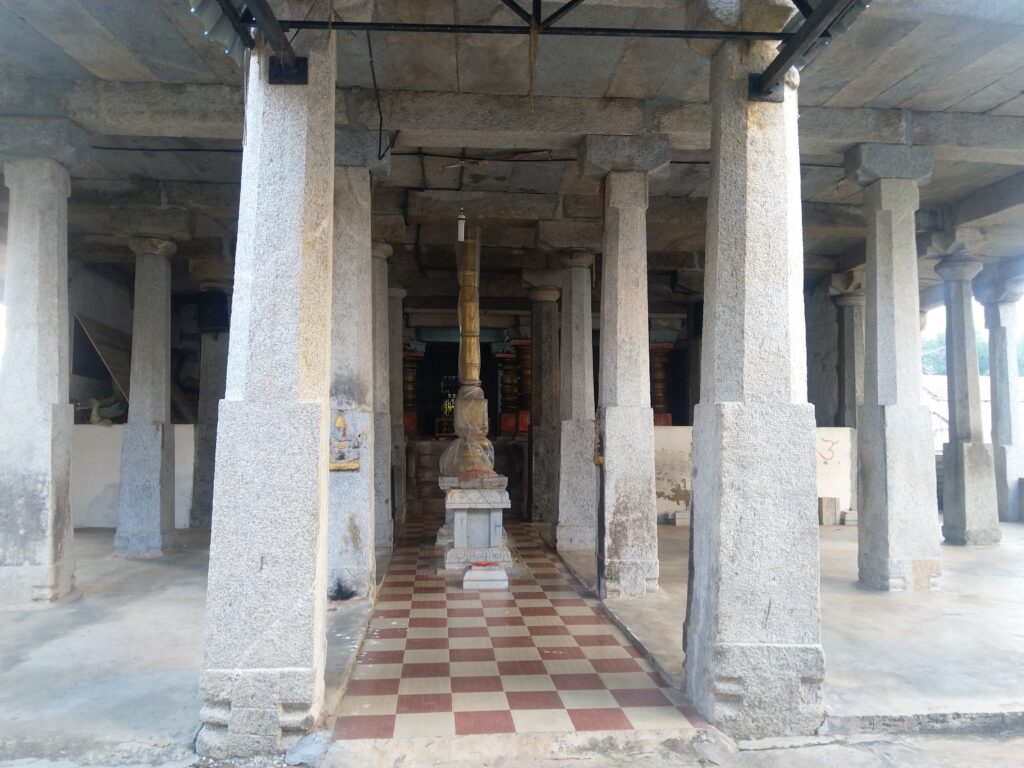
(37, 561)
(213, 372)
(970, 512)
(351, 518)
(754, 662)
(629, 548)
(395, 401)
(145, 505)
(898, 517)
(544, 417)
(384, 525)
(1007, 428)
(600, 155)
(265, 633)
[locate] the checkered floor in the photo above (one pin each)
(441, 661)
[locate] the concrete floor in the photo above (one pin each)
(957, 650)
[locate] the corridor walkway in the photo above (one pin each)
(441, 661)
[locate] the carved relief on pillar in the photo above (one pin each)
(659, 381)
(413, 352)
(524, 351)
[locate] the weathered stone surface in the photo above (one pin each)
(362, 149)
(145, 508)
(396, 322)
(213, 371)
(30, 137)
(969, 506)
(898, 538)
(265, 639)
(600, 155)
(37, 560)
(578, 493)
(544, 408)
(384, 525)
(867, 163)
(152, 221)
(351, 562)
(628, 553)
(763, 677)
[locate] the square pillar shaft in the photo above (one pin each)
(754, 662)
(578, 490)
(384, 517)
(396, 325)
(265, 640)
(851, 357)
(628, 551)
(1007, 429)
(145, 507)
(37, 560)
(897, 528)
(545, 423)
(351, 559)
(213, 371)
(970, 511)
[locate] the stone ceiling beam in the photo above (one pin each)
(996, 204)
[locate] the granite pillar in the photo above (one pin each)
(754, 661)
(1001, 310)
(266, 637)
(37, 561)
(213, 370)
(897, 528)
(970, 513)
(396, 326)
(384, 525)
(145, 507)
(578, 489)
(351, 561)
(545, 422)
(850, 302)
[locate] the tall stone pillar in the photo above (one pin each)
(578, 490)
(1000, 298)
(384, 520)
(396, 326)
(897, 527)
(847, 291)
(351, 560)
(213, 371)
(754, 478)
(969, 509)
(524, 353)
(265, 639)
(37, 561)
(544, 416)
(628, 548)
(145, 507)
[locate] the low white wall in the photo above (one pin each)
(96, 474)
(672, 467)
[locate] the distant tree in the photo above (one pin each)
(933, 355)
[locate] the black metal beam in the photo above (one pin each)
(231, 14)
(271, 29)
(559, 13)
(517, 9)
(508, 29)
(766, 86)
(537, 11)
(805, 8)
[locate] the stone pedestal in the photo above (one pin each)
(1007, 429)
(145, 509)
(351, 557)
(578, 482)
(384, 524)
(969, 508)
(898, 526)
(754, 662)
(265, 636)
(477, 532)
(37, 561)
(544, 416)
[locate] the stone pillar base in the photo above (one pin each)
(477, 532)
(577, 487)
(250, 712)
(1009, 465)
(25, 587)
(759, 690)
(969, 507)
(628, 562)
(351, 570)
(145, 511)
(898, 521)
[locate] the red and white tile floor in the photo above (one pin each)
(441, 661)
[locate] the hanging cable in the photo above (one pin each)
(381, 149)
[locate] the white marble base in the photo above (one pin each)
(476, 527)
(485, 577)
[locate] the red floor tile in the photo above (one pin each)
(467, 631)
(641, 697)
(553, 629)
(596, 640)
(465, 613)
(426, 670)
(471, 684)
(510, 603)
(498, 721)
(615, 665)
(365, 727)
(429, 604)
(600, 720)
(381, 657)
(538, 611)
(512, 641)
(521, 668)
(372, 687)
(413, 703)
(463, 596)
(504, 621)
(577, 682)
(534, 700)
(471, 654)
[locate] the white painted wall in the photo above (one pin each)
(96, 474)
(837, 472)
